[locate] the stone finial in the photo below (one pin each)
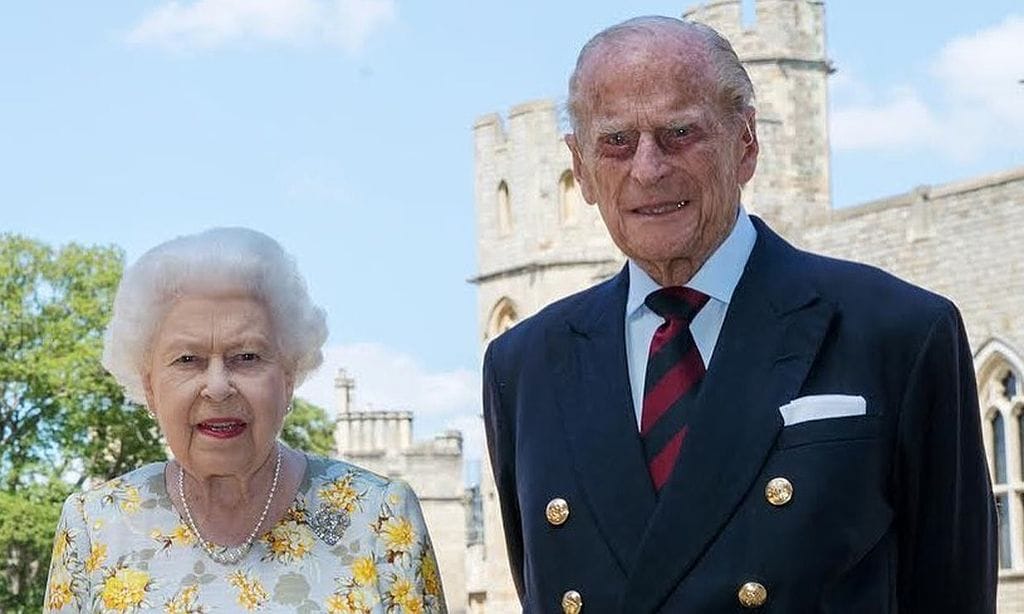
(343, 387)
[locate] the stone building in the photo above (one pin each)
(382, 442)
(538, 241)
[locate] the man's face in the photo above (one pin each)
(659, 154)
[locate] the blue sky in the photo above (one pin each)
(343, 129)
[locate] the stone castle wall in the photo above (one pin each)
(960, 240)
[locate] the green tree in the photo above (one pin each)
(27, 521)
(61, 414)
(308, 428)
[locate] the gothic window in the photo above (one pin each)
(503, 317)
(504, 209)
(568, 198)
(998, 449)
(999, 368)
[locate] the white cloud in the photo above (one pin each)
(387, 379)
(902, 122)
(977, 106)
(204, 24)
(985, 69)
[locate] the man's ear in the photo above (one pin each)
(750, 147)
(579, 170)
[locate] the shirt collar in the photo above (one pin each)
(717, 277)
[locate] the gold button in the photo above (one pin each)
(572, 602)
(779, 491)
(752, 595)
(557, 512)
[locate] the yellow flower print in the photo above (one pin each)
(185, 602)
(413, 605)
(130, 500)
(125, 590)
(336, 604)
(431, 579)
(62, 542)
(340, 495)
(401, 591)
(251, 593)
(181, 535)
(364, 571)
(295, 513)
(97, 555)
(60, 595)
(398, 534)
(289, 541)
(351, 602)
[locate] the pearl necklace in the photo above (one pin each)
(228, 555)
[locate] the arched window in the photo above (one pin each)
(503, 317)
(568, 198)
(504, 209)
(998, 449)
(999, 368)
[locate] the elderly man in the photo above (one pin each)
(729, 422)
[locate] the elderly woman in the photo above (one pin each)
(213, 332)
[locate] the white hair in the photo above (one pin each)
(735, 87)
(216, 262)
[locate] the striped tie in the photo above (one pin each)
(674, 371)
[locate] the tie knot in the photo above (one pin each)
(676, 302)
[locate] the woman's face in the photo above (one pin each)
(217, 384)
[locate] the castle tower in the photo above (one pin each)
(784, 53)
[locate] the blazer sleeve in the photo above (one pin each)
(945, 509)
(498, 423)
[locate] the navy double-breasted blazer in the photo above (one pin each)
(892, 511)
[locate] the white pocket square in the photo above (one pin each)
(821, 406)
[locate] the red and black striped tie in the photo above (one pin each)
(674, 371)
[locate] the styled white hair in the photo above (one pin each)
(216, 262)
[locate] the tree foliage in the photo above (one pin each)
(61, 414)
(308, 428)
(27, 521)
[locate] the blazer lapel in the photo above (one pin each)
(592, 386)
(772, 332)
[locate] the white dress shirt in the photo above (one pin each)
(717, 278)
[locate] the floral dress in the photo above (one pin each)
(351, 542)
